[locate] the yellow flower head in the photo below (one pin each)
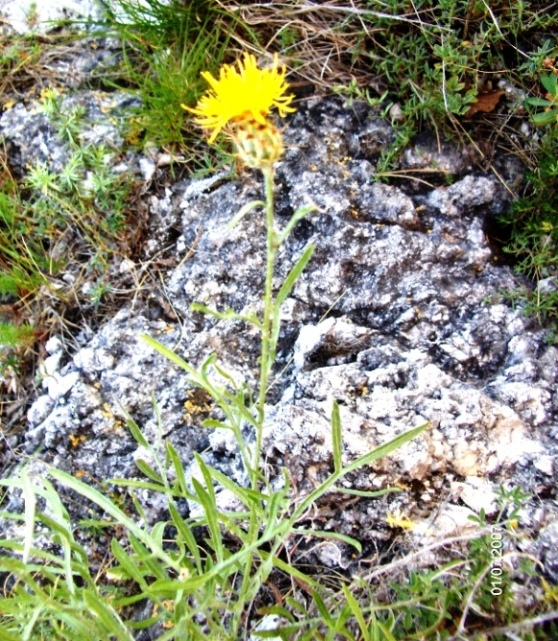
(398, 520)
(242, 92)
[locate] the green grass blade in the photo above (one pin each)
(357, 612)
(337, 441)
(247, 208)
(30, 500)
(207, 501)
(5, 635)
(368, 494)
(146, 469)
(168, 353)
(178, 470)
(136, 433)
(187, 536)
(294, 274)
(107, 616)
(385, 449)
(228, 314)
(337, 536)
(110, 508)
(290, 570)
(295, 218)
(322, 608)
(129, 566)
(375, 454)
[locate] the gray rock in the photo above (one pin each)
(547, 546)
(330, 338)
(32, 136)
(398, 317)
(26, 16)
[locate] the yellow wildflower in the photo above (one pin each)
(244, 92)
(398, 520)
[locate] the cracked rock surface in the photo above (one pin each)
(399, 317)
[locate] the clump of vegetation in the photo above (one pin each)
(46, 220)
(207, 577)
(534, 216)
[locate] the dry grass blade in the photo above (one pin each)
(322, 42)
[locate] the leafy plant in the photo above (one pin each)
(549, 103)
(207, 574)
(533, 219)
(50, 215)
(196, 588)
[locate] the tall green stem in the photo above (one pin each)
(265, 364)
(265, 371)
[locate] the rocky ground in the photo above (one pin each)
(400, 317)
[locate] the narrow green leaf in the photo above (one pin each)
(243, 494)
(8, 636)
(140, 485)
(236, 561)
(228, 314)
(322, 608)
(206, 473)
(136, 433)
(337, 440)
(30, 506)
(128, 565)
(340, 627)
(124, 601)
(139, 508)
(295, 573)
(215, 424)
(279, 610)
(375, 454)
(285, 633)
(385, 449)
(28, 630)
(366, 493)
(296, 606)
(273, 524)
(283, 293)
(52, 559)
(166, 587)
(245, 209)
(61, 527)
(110, 508)
(294, 274)
(358, 614)
(158, 532)
(168, 353)
(337, 536)
(295, 218)
(146, 469)
(207, 501)
(538, 102)
(187, 536)
(178, 470)
(387, 634)
(107, 616)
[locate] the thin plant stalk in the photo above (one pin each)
(266, 347)
(272, 247)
